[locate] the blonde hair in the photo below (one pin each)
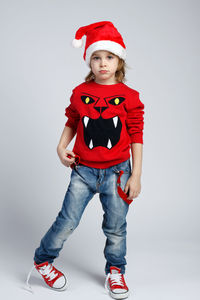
(119, 74)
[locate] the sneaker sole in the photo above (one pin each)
(119, 296)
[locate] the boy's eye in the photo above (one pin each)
(109, 56)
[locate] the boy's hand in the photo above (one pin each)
(133, 186)
(66, 161)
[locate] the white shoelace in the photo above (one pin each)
(115, 278)
(46, 270)
(27, 285)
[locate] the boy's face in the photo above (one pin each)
(102, 60)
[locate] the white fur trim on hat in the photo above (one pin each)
(77, 43)
(105, 45)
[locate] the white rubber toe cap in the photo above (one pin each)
(60, 283)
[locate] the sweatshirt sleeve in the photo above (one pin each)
(135, 118)
(72, 114)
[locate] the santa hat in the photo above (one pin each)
(100, 36)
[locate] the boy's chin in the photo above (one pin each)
(103, 77)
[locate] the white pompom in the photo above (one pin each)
(77, 43)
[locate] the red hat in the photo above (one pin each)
(100, 36)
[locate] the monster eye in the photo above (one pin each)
(87, 99)
(116, 100)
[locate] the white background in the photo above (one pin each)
(39, 69)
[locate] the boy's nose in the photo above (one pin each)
(103, 62)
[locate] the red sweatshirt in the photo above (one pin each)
(107, 119)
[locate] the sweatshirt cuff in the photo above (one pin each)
(137, 138)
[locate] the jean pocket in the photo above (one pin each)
(79, 166)
(124, 166)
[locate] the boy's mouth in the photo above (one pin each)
(103, 71)
(101, 132)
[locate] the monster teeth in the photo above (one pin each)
(115, 120)
(91, 144)
(86, 119)
(109, 145)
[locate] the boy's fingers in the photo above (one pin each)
(70, 153)
(70, 156)
(126, 189)
(69, 160)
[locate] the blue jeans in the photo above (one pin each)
(84, 184)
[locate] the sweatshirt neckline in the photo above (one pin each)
(106, 85)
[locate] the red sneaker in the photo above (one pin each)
(53, 278)
(115, 284)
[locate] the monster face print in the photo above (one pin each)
(98, 129)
